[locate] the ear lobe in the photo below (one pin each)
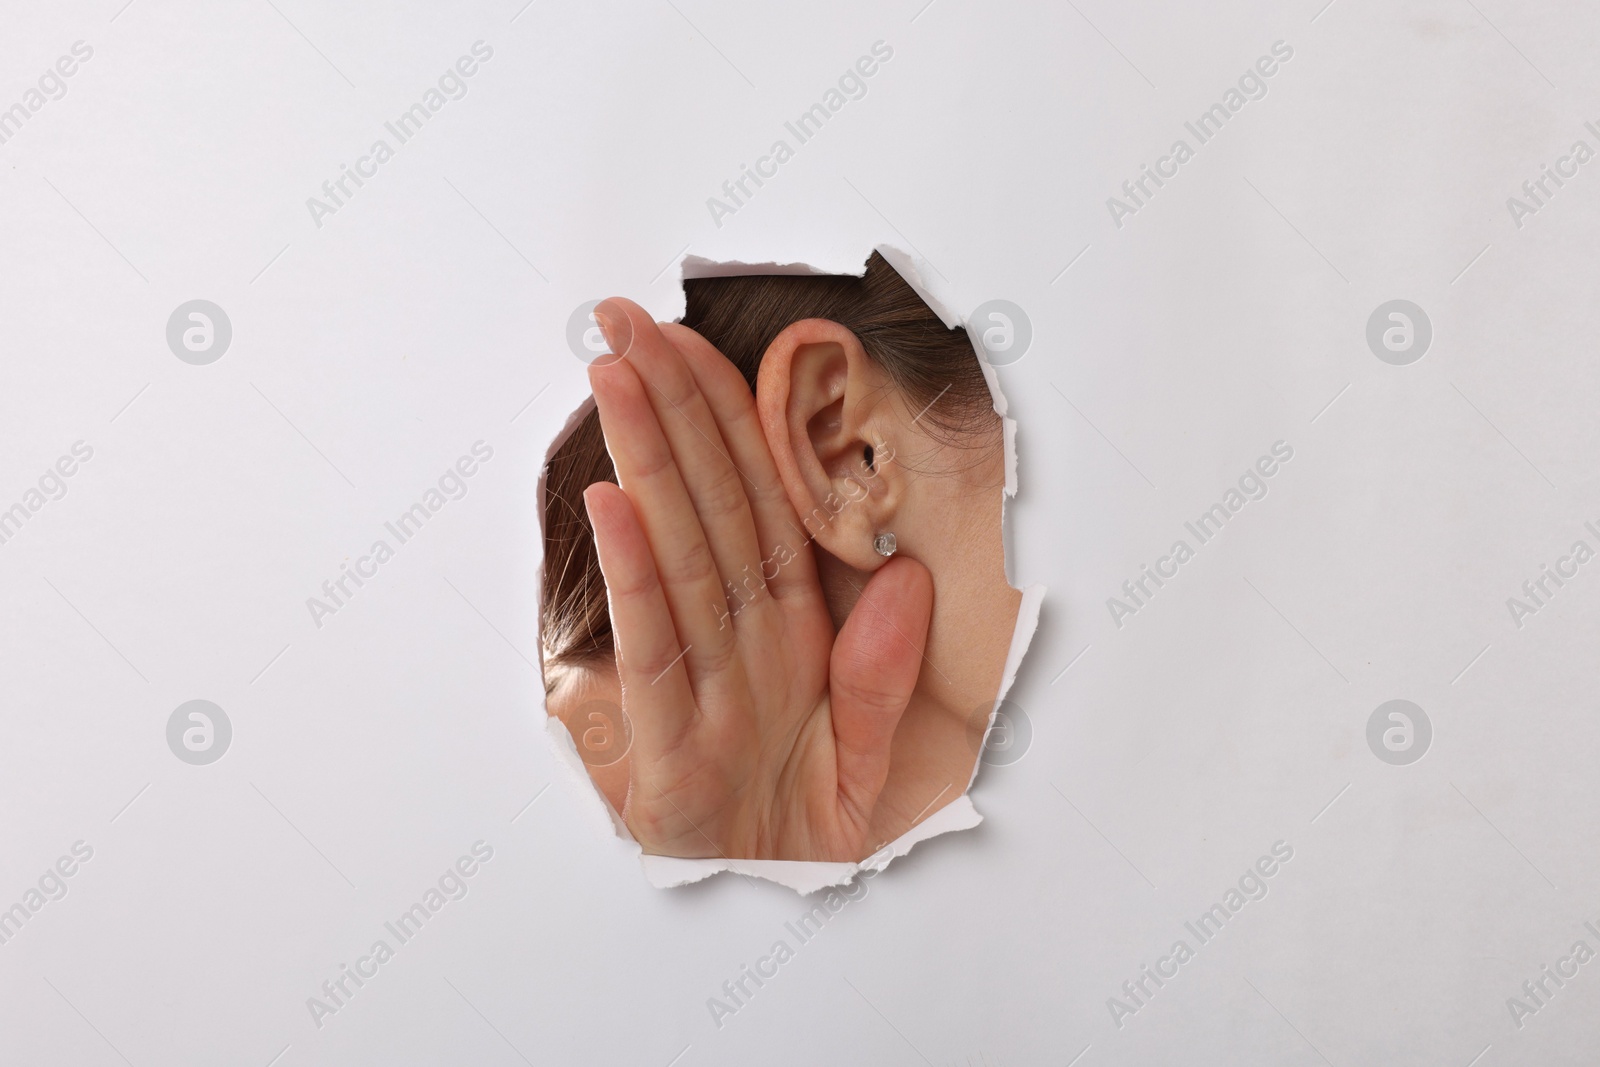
(818, 396)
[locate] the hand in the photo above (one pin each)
(757, 731)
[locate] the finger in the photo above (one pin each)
(716, 486)
(647, 472)
(876, 660)
(788, 566)
(655, 685)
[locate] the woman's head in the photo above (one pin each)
(879, 419)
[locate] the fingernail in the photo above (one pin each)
(588, 509)
(613, 323)
(605, 324)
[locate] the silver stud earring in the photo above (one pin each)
(884, 544)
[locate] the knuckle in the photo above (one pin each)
(653, 462)
(639, 585)
(723, 496)
(862, 678)
(675, 385)
(654, 662)
(769, 493)
(712, 657)
(881, 698)
(691, 568)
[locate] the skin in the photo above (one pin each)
(833, 698)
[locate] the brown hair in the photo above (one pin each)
(741, 316)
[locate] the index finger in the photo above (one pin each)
(716, 485)
(734, 408)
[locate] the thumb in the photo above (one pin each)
(874, 667)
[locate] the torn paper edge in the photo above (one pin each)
(809, 876)
(556, 732)
(560, 738)
(1021, 638)
(693, 267)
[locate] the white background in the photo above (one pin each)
(372, 351)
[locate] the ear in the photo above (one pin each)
(825, 409)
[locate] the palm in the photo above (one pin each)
(758, 731)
